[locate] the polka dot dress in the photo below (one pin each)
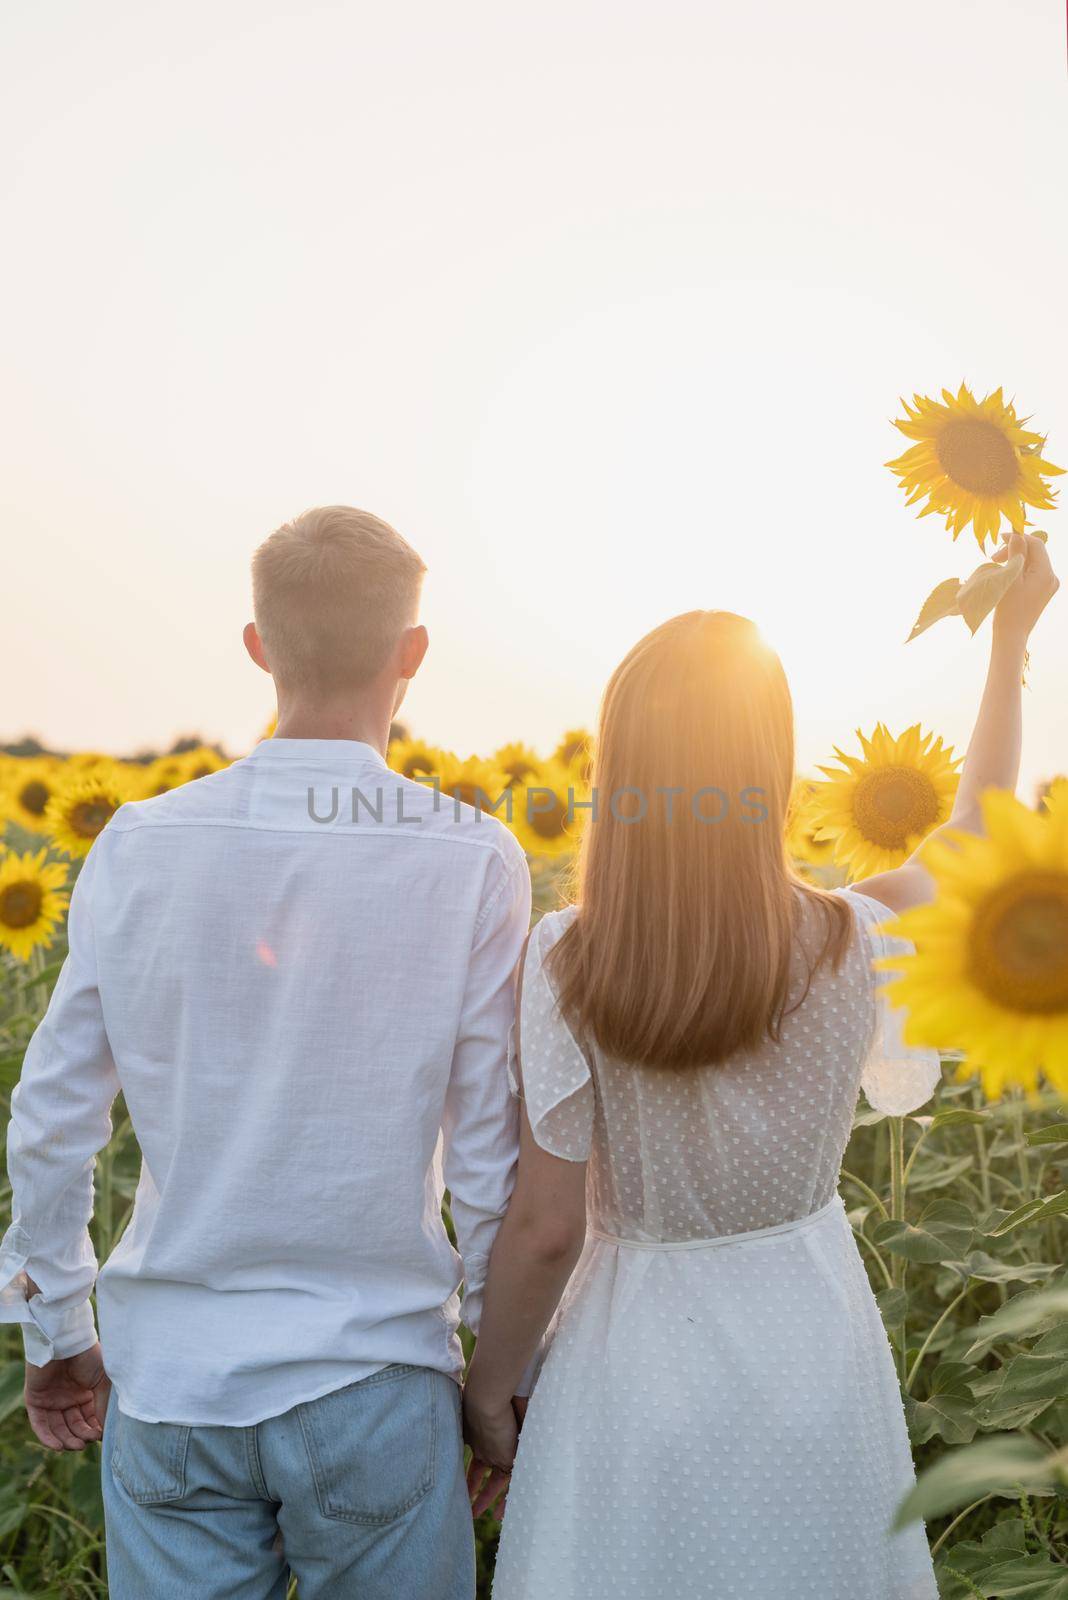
(717, 1413)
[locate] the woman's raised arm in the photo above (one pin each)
(993, 758)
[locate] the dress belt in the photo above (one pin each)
(799, 1226)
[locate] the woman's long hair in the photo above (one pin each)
(685, 943)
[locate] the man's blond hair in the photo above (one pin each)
(332, 592)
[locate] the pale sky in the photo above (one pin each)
(605, 305)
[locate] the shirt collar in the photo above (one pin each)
(315, 751)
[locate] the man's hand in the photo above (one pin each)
(66, 1401)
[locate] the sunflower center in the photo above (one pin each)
(1019, 947)
(20, 904)
(88, 817)
(417, 766)
(893, 804)
(549, 824)
(977, 456)
(470, 794)
(34, 797)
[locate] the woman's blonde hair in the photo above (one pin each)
(684, 947)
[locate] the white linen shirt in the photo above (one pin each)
(299, 971)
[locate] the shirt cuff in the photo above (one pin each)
(48, 1333)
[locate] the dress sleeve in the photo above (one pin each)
(897, 1078)
(549, 1071)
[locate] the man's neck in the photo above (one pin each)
(355, 719)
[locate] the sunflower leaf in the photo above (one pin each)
(1055, 1133)
(941, 602)
(998, 1465)
(1054, 1205)
(979, 594)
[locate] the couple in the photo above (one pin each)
(639, 1115)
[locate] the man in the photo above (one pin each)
(299, 972)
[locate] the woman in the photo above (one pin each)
(717, 1413)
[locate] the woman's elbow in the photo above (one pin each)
(550, 1241)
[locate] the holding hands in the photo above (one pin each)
(492, 1432)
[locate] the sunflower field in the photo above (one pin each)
(960, 1212)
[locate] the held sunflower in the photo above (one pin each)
(33, 901)
(975, 462)
(82, 807)
(802, 825)
(876, 809)
(989, 976)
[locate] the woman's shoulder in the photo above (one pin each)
(552, 926)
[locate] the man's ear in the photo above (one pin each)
(254, 645)
(413, 648)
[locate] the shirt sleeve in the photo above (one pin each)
(897, 1078)
(481, 1123)
(60, 1118)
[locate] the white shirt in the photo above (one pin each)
(308, 1020)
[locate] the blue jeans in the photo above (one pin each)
(358, 1494)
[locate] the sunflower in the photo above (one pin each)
(474, 782)
(414, 758)
(989, 976)
(576, 750)
(975, 462)
(802, 823)
(28, 787)
(546, 820)
(84, 805)
(88, 760)
(161, 776)
(876, 810)
(518, 761)
(202, 762)
(32, 901)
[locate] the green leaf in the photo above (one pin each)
(1034, 1311)
(947, 1411)
(980, 593)
(13, 1509)
(12, 1379)
(988, 1270)
(1029, 1384)
(1055, 1205)
(1004, 1573)
(46, 976)
(1056, 1133)
(936, 1172)
(941, 602)
(893, 1308)
(956, 1117)
(943, 1233)
(991, 1466)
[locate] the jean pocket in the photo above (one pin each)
(371, 1447)
(148, 1458)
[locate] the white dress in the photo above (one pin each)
(717, 1413)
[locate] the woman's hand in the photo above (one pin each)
(492, 1432)
(1023, 604)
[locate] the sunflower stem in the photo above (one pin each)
(898, 1264)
